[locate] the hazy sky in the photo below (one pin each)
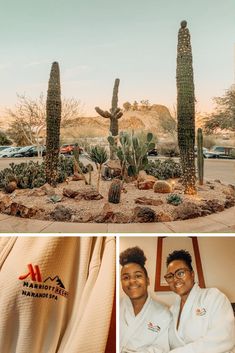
(96, 41)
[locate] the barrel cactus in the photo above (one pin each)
(114, 115)
(186, 109)
(114, 194)
(53, 118)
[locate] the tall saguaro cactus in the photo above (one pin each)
(186, 109)
(53, 118)
(114, 114)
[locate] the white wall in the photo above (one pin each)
(217, 257)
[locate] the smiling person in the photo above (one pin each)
(143, 322)
(203, 320)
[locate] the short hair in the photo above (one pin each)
(133, 255)
(183, 255)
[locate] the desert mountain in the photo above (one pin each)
(156, 119)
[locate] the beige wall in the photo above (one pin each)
(217, 256)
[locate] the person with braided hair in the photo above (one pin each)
(143, 322)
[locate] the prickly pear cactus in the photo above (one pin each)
(53, 110)
(114, 194)
(186, 109)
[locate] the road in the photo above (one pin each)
(222, 169)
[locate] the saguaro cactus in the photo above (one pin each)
(200, 157)
(186, 109)
(114, 114)
(53, 118)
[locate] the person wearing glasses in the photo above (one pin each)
(143, 322)
(203, 320)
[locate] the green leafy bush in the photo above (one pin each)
(164, 169)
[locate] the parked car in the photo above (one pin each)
(3, 147)
(68, 149)
(9, 152)
(205, 151)
(28, 151)
(221, 152)
(153, 152)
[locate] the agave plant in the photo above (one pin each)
(99, 156)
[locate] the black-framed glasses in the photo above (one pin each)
(180, 273)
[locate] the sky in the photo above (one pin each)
(96, 41)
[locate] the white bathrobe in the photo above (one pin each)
(56, 294)
(147, 332)
(206, 323)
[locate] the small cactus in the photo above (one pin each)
(174, 199)
(162, 187)
(200, 156)
(114, 194)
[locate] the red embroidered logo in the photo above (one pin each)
(154, 328)
(34, 285)
(34, 273)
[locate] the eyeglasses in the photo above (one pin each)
(180, 273)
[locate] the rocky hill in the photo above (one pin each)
(157, 119)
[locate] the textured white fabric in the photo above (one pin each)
(147, 331)
(206, 323)
(78, 320)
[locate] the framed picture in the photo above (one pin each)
(165, 246)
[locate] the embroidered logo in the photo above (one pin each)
(200, 312)
(33, 285)
(154, 328)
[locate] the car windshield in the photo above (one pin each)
(23, 149)
(218, 149)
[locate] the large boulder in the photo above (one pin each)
(145, 181)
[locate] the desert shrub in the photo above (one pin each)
(174, 199)
(164, 169)
(4, 140)
(168, 149)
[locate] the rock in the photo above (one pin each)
(143, 215)
(217, 181)
(70, 193)
(111, 169)
(188, 210)
(49, 190)
(17, 209)
(77, 177)
(164, 217)
(212, 187)
(5, 202)
(148, 201)
(145, 181)
(213, 206)
(10, 187)
(162, 187)
(92, 195)
(108, 215)
(229, 202)
(61, 213)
